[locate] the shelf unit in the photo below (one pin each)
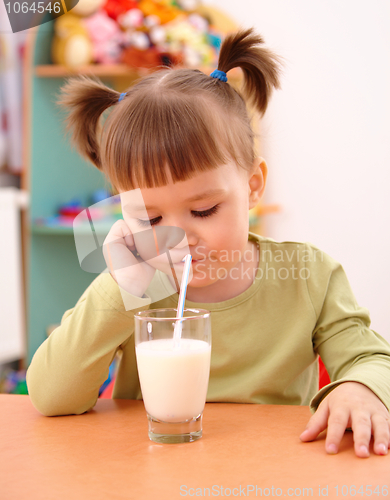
(110, 70)
(54, 173)
(67, 231)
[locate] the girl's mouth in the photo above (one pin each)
(192, 261)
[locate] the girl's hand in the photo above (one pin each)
(131, 273)
(354, 405)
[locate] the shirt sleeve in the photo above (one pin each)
(350, 350)
(69, 367)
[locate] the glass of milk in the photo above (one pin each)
(173, 372)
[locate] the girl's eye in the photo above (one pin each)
(150, 222)
(206, 213)
(203, 213)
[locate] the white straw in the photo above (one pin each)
(182, 298)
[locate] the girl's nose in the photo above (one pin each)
(192, 239)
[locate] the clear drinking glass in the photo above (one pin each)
(173, 373)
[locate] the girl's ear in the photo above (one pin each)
(257, 181)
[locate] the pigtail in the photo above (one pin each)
(85, 99)
(260, 65)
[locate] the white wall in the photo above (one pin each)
(326, 134)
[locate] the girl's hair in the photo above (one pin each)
(180, 119)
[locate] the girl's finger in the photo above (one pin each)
(337, 424)
(120, 230)
(381, 433)
(317, 423)
(361, 427)
(117, 248)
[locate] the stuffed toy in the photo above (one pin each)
(85, 8)
(188, 36)
(131, 19)
(164, 11)
(151, 58)
(188, 5)
(140, 33)
(106, 36)
(71, 45)
(114, 8)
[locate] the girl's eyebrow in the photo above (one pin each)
(207, 194)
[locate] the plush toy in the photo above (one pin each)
(189, 37)
(164, 11)
(106, 36)
(114, 8)
(86, 8)
(140, 33)
(131, 19)
(188, 5)
(71, 209)
(137, 58)
(71, 44)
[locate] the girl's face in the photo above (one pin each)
(213, 209)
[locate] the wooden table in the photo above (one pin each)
(106, 454)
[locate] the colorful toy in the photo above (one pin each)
(189, 37)
(85, 8)
(188, 5)
(115, 8)
(131, 19)
(71, 43)
(164, 11)
(71, 209)
(137, 58)
(106, 37)
(104, 207)
(140, 33)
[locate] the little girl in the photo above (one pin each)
(183, 140)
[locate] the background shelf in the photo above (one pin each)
(113, 71)
(68, 230)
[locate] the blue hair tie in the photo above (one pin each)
(121, 96)
(220, 75)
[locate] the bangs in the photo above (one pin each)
(160, 130)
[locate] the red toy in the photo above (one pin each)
(115, 8)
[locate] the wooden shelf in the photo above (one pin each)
(57, 71)
(55, 230)
(109, 70)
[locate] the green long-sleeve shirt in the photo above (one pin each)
(265, 341)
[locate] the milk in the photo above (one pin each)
(174, 379)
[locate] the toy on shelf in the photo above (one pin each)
(172, 29)
(65, 217)
(114, 8)
(106, 37)
(104, 208)
(139, 33)
(72, 45)
(71, 210)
